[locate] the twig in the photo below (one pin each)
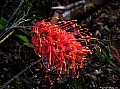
(7, 30)
(21, 21)
(6, 56)
(25, 27)
(6, 36)
(16, 76)
(15, 25)
(64, 11)
(15, 12)
(22, 18)
(10, 33)
(69, 6)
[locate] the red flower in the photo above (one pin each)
(61, 43)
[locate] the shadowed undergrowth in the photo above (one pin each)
(20, 67)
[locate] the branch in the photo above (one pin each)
(88, 9)
(15, 12)
(5, 31)
(69, 6)
(16, 76)
(9, 32)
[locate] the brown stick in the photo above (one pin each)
(90, 7)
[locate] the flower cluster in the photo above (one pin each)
(64, 44)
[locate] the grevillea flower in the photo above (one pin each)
(64, 44)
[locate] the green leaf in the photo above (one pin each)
(107, 54)
(3, 21)
(2, 27)
(24, 39)
(43, 3)
(23, 32)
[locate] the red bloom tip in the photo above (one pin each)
(61, 43)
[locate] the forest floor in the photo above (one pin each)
(20, 66)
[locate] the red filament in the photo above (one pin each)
(61, 44)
